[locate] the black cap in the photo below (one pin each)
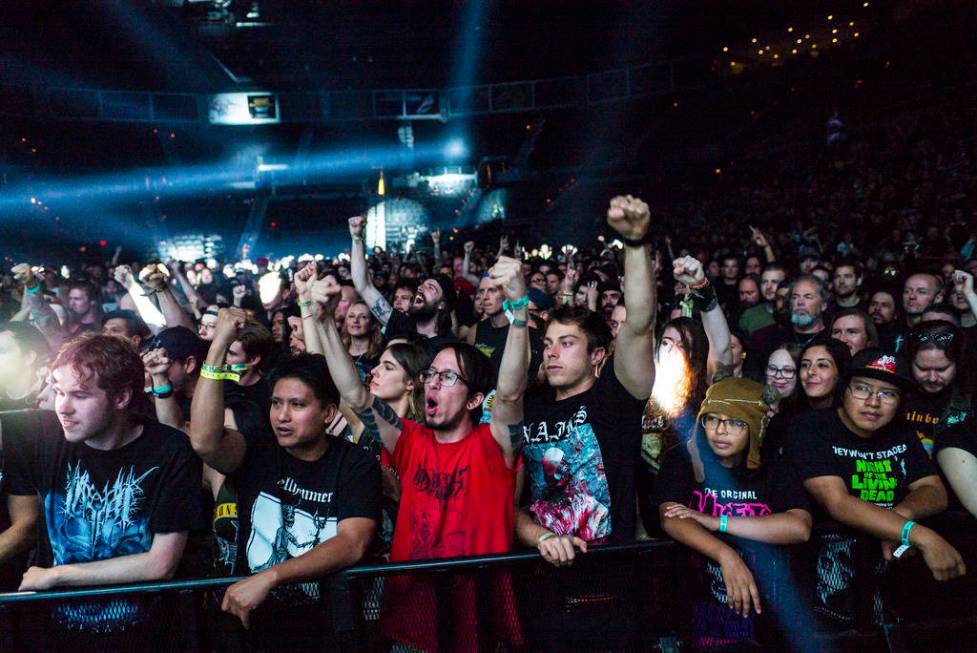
(882, 366)
(180, 342)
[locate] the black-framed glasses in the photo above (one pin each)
(447, 378)
(733, 426)
(941, 338)
(784, 372)
(863, 391)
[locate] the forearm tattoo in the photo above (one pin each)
(380, 409)
(382, 309)
(516, 436)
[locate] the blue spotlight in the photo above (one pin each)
(455, 149)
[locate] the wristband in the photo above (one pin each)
(509, 307)
(723, 523)
(704, 299)
(33, 290)
(700, 286)
(163, 389)
(908, 526)
(303, 303)
(218, 373)
(148, 390)
(163, 395)
(545, 536)
(633, 242)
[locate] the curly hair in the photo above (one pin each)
(113, 362)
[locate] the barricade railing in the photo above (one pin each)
(616, 597)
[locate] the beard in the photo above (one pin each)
(423, 311)
(802, 320)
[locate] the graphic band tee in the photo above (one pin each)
(879, 469)
(457, 500)
(101, 504)
(737, 493)
(287, 506)
(580, 455)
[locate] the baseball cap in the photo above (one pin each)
(882, 366)
(180, 342)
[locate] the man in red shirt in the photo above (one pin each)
(458, 479)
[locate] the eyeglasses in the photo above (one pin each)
(785, 372)
(447, 378)
(862, 392)
(733, 426)
(940, 339)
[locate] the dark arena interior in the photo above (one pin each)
(287, 286)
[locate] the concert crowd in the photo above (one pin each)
(728, 385)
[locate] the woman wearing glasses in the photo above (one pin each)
(717, 498)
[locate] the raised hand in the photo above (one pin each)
(157, 362)
(688, 270)
(357, 226)
(963, 283)
(154, 276)
(436, 236)
(304, 280)
(507, 275)
(469, 247)
(758, 238)
(629, 216)
(123, 275)
(503, 244)
(326, 292)
(229, 322)
(23, 274)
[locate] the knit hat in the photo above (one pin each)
(740, 399)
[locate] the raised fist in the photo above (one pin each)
(157, 362)
(963, 283)
(469, 246)
(304, 279)
(154, 276)
(436, 236)
(23, 274)
(123, 275)
(629, 217)
(507, 275)
(357, 225)
(688, 270)
(229, 322)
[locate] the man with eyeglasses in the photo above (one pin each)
(458, 478)
(869, 472)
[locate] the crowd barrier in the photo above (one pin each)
(628, 597)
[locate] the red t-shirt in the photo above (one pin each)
(456, 500)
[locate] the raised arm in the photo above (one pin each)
(963, 283)
(689, 271)
(942, 559)
(41, 313)
(466, 265)
(507, 407)
(151, 315)
(221, 448)
(173, 314)
(436, 239)
(379, 306)
(197, 304)
(380, 420)
(761, 241)
(168, 411)
(634, 358)
(159, 563)
(305, 280)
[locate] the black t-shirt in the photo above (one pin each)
(879, 469)
(929, 415)
(258, 393)
(10, 570)
(490, 341)
(288, 506)
(402, 324)
(101, 504)
(580, 455)
(739, 492)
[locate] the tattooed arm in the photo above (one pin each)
(380, 421)
(507, 409)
